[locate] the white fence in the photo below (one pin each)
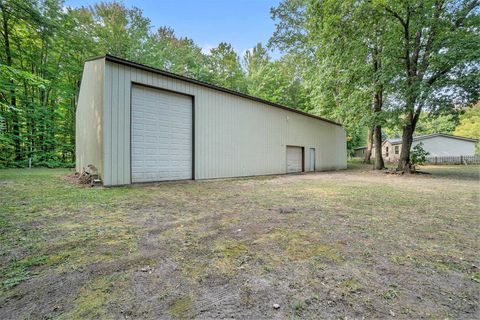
(454, 160)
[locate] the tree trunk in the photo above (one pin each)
(13, 99)
(368, 152)
(377, 129)
(377, 133)
(407, 139)
(377, 104)
(16, 127)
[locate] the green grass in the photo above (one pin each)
(37, 206)
(361, 243)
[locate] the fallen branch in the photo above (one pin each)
(393, 171)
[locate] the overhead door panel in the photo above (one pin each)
(294, 159)
(162, 140)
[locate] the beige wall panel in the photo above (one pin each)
(89, 118)
(445, 146)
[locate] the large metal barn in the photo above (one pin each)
(135, 124)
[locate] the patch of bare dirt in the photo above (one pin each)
(77, 180)
(320, 245)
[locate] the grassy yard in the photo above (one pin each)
(345, 244)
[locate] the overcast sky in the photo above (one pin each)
(242, 23)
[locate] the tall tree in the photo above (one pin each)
(178, 55)
(344, 42)
(10, 103)
(43, 48)
(258, 71)
(439, 54)
(225, 68)
(118, 30)
(279, 81)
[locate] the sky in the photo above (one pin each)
(243, 23)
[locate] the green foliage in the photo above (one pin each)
(178, 55)
(339, 46)
(337, 56)
(45, 44)
(428, 123)
(225, 69)
(43, 49)
(417, 55)
(431, 123)
(10, 73)
(357, 138)
(278, 81)
(470, 124)
(418, 155)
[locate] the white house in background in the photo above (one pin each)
(437, 144)
(140, 124)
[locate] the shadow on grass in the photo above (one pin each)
(454, 172)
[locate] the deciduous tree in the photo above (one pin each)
(344, 42)
(438, 55)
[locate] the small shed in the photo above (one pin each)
(136, 124)
(359, 152)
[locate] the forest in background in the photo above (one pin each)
(341, 60)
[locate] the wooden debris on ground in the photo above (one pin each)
(413, 170)
(393, 171)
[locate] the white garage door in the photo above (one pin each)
(161, 135)
(294, 159)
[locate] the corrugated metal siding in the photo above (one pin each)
(89, 118)
(233, 136)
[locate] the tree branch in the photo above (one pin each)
(417, 46)
(416, 116)
(437, 75)
(396, 15)
(431, 37)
